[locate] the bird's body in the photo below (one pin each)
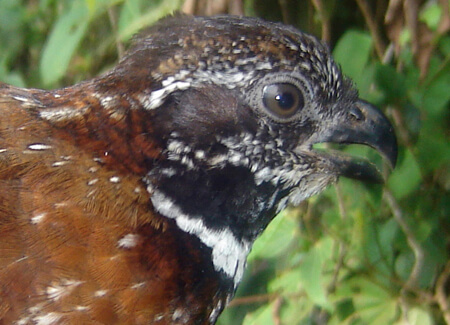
(134, 198)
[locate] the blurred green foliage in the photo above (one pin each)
(346, 256)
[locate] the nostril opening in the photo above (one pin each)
(357, 114)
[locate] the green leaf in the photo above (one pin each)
(431, 15)
(287, 282)
(352, 52)
(11, 28)
(436, 96)
(308, 275)
(66, 35)
(418, 316)
(276, 238)
(406, 177)
(386, 237)
(296, 311)
(378, 254)
(262, 315)
(131, 10)
(311, 272)
(444, 45)
(12, 78)
(404, 264)
(145, 19)
(391, 83)
(374, 304)
(433, 146)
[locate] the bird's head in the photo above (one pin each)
(234, 106)
(265, 91)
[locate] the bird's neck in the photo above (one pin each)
(110, 127)
(222, 206)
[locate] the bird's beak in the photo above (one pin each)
(365, 125)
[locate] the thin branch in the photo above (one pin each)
(276, 310)
(113, 20)
(380, 47)
(388, 54)
(341, 245)
(253, 299)
(340, 199)
(284, 7)
(413, 243)
(326, 30)
(263, 298)
(236, 7)
(339, 265)
(444, 24)
(189, 7)
(440, 295)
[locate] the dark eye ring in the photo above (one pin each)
(283, 99)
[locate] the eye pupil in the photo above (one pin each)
(283, 99)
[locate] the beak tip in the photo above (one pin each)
(383, 135)
(388, 148)
(392, 159)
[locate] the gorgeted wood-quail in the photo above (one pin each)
(135, 197)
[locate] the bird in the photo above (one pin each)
(135, 197)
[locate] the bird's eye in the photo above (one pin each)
(283, 99)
